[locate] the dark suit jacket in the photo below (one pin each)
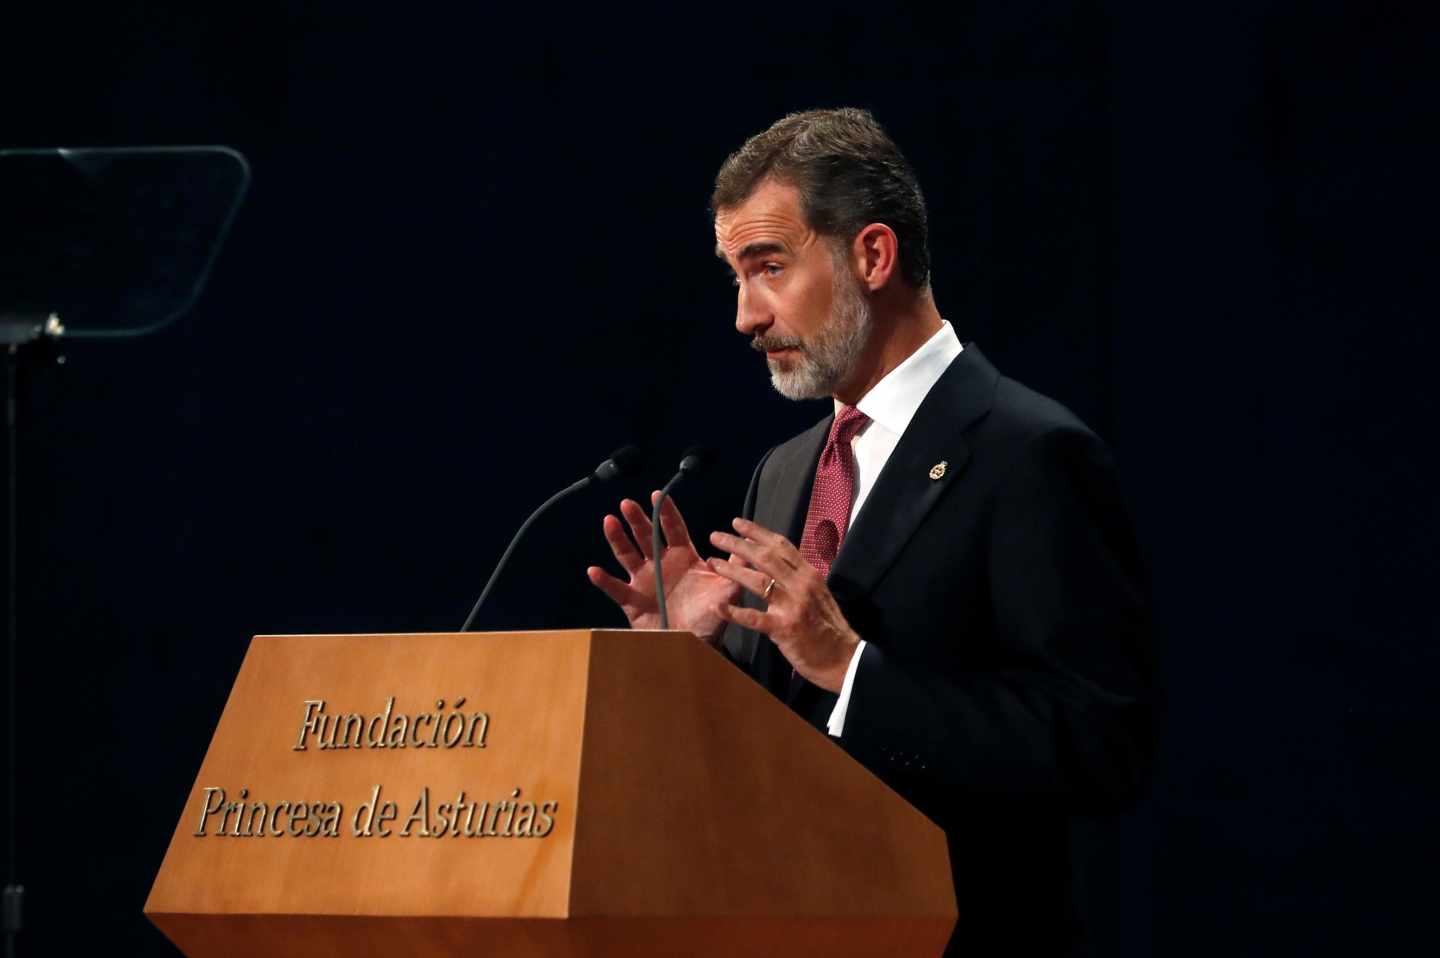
(1005, 686)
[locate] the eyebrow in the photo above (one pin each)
(754, 249)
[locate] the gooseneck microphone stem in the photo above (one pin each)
(655, 547)
(622, 461)
(697, 459)
(568, 490)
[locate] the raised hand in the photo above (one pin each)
(801, 616)
(694, 593)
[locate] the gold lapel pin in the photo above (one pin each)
(937, 471)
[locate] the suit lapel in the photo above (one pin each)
(929, 458)
(903, 496)
(788, 478)
(791, 477)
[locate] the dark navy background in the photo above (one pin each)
(476, 256)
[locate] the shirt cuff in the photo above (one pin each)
(836, 725)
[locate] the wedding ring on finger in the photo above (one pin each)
(766, 594)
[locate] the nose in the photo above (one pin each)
(752, 316)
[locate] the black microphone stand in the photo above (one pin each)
(21, 336)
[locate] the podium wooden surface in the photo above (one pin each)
(693, 814)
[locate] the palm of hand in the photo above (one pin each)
(693, 594)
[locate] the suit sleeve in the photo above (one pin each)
(1063, 706)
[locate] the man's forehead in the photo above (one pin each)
(769, 216)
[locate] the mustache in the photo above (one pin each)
(765, 344)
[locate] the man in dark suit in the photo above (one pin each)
(940, 575)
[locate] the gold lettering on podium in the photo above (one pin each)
(509, 816)
(446, 728)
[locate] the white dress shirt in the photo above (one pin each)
(891, 404)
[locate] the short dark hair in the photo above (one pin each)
(849, 173)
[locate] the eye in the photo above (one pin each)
(773, 269)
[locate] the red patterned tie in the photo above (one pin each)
(833, 494)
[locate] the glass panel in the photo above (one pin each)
(117, 242)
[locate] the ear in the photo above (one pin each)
(875, 256)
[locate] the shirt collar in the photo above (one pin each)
(892, 401)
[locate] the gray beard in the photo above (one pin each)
(827, 357)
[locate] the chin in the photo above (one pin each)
(799, 380)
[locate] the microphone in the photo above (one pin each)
(695, 461)
(622, 461)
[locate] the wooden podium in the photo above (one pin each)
(579, 793)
